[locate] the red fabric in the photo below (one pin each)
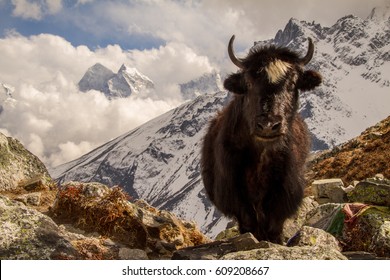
(353, 210)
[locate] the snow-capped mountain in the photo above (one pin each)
(207, 83)
(96, 78)
(159, 161)
(353, 57)
(126, 82)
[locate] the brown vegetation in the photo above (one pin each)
(357, 159)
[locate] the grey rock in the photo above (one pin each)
(30, 198)
(17, 164)
(309, 236)
(374, 191)
(280, 252)
(27, 234)
(132, 254)
(228, 233)
(381, 240)
(329, 190)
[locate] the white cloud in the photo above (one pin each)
(54, 6)
(27, 10)
(83, 2)
(57, 122)
(30, 9)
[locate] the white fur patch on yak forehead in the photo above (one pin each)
(277, 70)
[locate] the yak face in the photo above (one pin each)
(269, 82)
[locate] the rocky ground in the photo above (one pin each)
(345, 215)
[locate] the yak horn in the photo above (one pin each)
(232, 56)
(305, 60)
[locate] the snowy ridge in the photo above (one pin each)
(207, 83)
(353, 58)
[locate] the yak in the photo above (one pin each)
(254, 151)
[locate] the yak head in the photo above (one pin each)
(268, 82)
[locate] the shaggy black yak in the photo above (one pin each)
(254, 151)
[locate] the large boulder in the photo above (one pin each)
(17, 164)
(28, 234)
(329, 190)
(375, 191)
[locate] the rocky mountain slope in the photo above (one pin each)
(159, 161)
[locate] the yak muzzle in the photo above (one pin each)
(268, 128)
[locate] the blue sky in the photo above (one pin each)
(68, 23)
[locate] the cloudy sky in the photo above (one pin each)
(47, 45)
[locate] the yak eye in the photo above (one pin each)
(259, 71)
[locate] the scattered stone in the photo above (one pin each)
(30, 198)
(132, 254)
(309, 236)
(349, 189)
(379, 176)
(228, 233)
(329, 190)
(36, 183)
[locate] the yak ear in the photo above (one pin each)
(309, 80)
(235, 83)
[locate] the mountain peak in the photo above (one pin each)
(133, 72)
(95, 78)
(291, 31)
(207, 83)
(126, 81)
(127, 69)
